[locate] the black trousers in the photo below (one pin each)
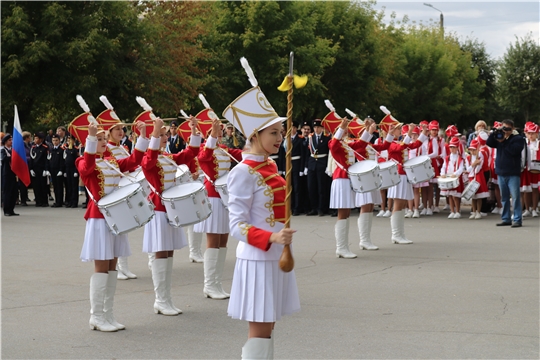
(319, 189)
(58, 186)
(10, 194)
(39, 184)
(72, 189)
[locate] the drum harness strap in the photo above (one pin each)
(131, 178)
(226, 153)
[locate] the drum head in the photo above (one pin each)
(417, 160)
(119, 194)
(386, 164)
(182, 190)
(132, 177)
(362, 166)
(221, 180)
(446, 180)
(181, 170)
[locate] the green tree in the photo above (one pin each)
(52, 51)
(519, 79)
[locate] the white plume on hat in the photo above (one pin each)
(106, 102)
(353, 115)
(384, 110)
(143, 103)
(86, 109)
(211, 114)
(331, 107)
(184, 114)
(249, 72)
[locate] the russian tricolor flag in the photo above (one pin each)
(18, 154)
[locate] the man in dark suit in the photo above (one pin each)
(175, 144)
(318, 180)
(297, 168)
(38, 169)
(56, 167)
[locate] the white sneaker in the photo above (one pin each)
(429, 212)
(451, 216)
(381, 213)
(478, 216)
(408, 214)
(446, 207)
(472, 216)
(387, 214)
(534, 213)
(423, 212)
(483, 214)
(496, 210)
(421, 207)
(436, 209)
(416, 214)
(457, 215)
(526, 213)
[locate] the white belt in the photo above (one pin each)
(295, 158)
(316, 156)
(274, 156)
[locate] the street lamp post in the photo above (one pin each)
(442, 17)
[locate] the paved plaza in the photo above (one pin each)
(465, 289)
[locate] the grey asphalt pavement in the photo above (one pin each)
(465, 289)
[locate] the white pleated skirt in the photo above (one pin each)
(421, 185)
(261, 292)
(370, 197)
(217, 222)
(101, 244)
(342, 196)
(160, 236)
(403, 190)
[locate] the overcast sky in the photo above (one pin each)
(495, 23)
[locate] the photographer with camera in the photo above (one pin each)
(509, 145)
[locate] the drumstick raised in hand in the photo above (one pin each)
(141, 126)
(92, 129)
(158, 124)
(216, 128)
(344, 123)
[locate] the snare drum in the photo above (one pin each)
(418, 169)
(126, 209)
(470, 190)
(186, 204)
(135, 177)
(534, 167)
(364, 176)
(183, 175)
(221, 187)
(448, 183)
(389, 174)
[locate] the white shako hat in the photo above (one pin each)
(251, 112)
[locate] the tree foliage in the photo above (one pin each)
(519, 79)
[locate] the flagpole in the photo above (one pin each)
(286, 261)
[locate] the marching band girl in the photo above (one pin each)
(453, 166)
(215, 163)
(475, 162)
(159, 237)
(261, 292)
(418, 187)
(531, 198)
(403, 191)
(342, 196)
(365, 201)
(435, 153)
(118, 151)
(386, 204)
(101, 177)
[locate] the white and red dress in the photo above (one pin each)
(215, 163)
(534, 156)
(101, 177)
(260, 291)
(160, 171)
(399, 151)
(342, 196)
(476, 173)
(454, 164)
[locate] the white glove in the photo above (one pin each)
(44, 173)
(305, 171)
(32, 173)
(301, 173)
(75, 175)
(59, 173)
(48, 173)
(65, 175)
(280, 172)
(328, 173)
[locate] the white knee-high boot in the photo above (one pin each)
(222, 254)
(109, 301)
(342, 239)
(210, 269)
(151, 258)
(98, 287)
(397, 222)
(195, 241)
(122, 267)
(258, 348)
(364, 228)
(159, 277)
(168, 280)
